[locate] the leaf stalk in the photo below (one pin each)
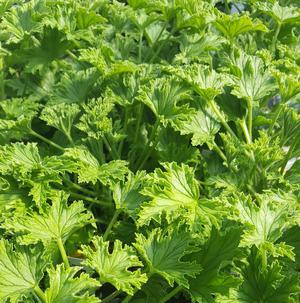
(63, 252)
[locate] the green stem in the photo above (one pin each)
(111, 224)
(111, 148)
(227, 8)
(287, 157)
(162, 45)
(2, 92)
(140, 46)
(221, 118)
(277, 114)
(69, 137)
(101, 155)
(250, 117)
(111, 296)
(138, 123)
(126, 114)
(80, 188)
(33, 133)
(158, 37)
(40, 293)
(89, 199)
(170, 295)
(264, 259)
(219, 152)
(127, 299)
(150, 150)
(144, 157)
(245, 131)
(63, 252)
(274, 41)
(71, 55)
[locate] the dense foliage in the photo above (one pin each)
(148, 151)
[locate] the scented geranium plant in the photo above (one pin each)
(149, 151)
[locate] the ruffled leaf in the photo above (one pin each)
(113, 267)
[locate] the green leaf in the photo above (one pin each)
(113, 267)
(291, 237)
(89, 170)
(74, 87)
(205, 81)
(170, 191)
(126, 193)
(231, 26)
(162, 97)
(86, 18)
(67, 286)
(251, 80)
(95, 121)
(282, 14)
(195, 48)
(155, 289)
(19, 156)
(57, 222)
(21, 270)
(288, 126)
(289, 85)
(266, 284)
(17, 117)
(53, 46)
(125, 88)
(220, 248)
(61, 117)
(267, 222)
(19, 22)
(25, 164)
(172, 147)
(203, 127)
(164, 253)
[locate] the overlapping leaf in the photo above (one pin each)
(89, 169)
(113, 267)
(21, 271)
(57, 223)
(163, 253)
(163, 96)
(67, 286)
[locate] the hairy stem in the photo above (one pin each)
(63, 252)
(40, 293)
(111, 296)
(138, 122)
(140, 46)
(35, 134)
(111, 148)
(277, 114)
(250, 117)
(227, 8)
(287, 157)
(221, 118)
(148, 149)
(2, 93)
(158, 37)
(162, 45)
(127, 299)
(89, 199)
(245, 131)
(80, 188)
(275, 37)
(126, 117)
(111, 224)
(171, 294)
(219, 152)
